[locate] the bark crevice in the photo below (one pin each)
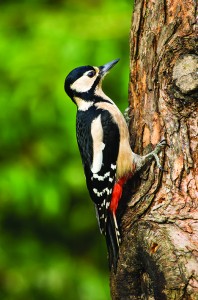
(159, 227)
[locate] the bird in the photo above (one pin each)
(104, 144)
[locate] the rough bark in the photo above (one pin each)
(159, 252)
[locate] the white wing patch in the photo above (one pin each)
(113, 167)
(100, 194)
(101, 178)
(98, 145)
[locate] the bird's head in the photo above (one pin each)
(84, 82)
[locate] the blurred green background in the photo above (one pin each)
(50, 245)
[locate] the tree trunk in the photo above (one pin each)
(159, 251)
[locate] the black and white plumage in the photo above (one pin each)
(103, 141)
(98, 156)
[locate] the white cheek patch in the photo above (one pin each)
(83, 84)
(98, 145)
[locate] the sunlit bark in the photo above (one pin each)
(159, 252)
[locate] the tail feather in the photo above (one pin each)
(113, 240)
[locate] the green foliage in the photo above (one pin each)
(50, 246)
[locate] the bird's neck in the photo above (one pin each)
(86, 99)
(83, 105)
(99, 93)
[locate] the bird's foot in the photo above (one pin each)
(155, 153)
(141, 161)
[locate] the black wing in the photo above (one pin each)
(100, 173)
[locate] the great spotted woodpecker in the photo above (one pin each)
(103, 141)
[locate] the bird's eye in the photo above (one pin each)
(91, 74)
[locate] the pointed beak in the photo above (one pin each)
(105, 68)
